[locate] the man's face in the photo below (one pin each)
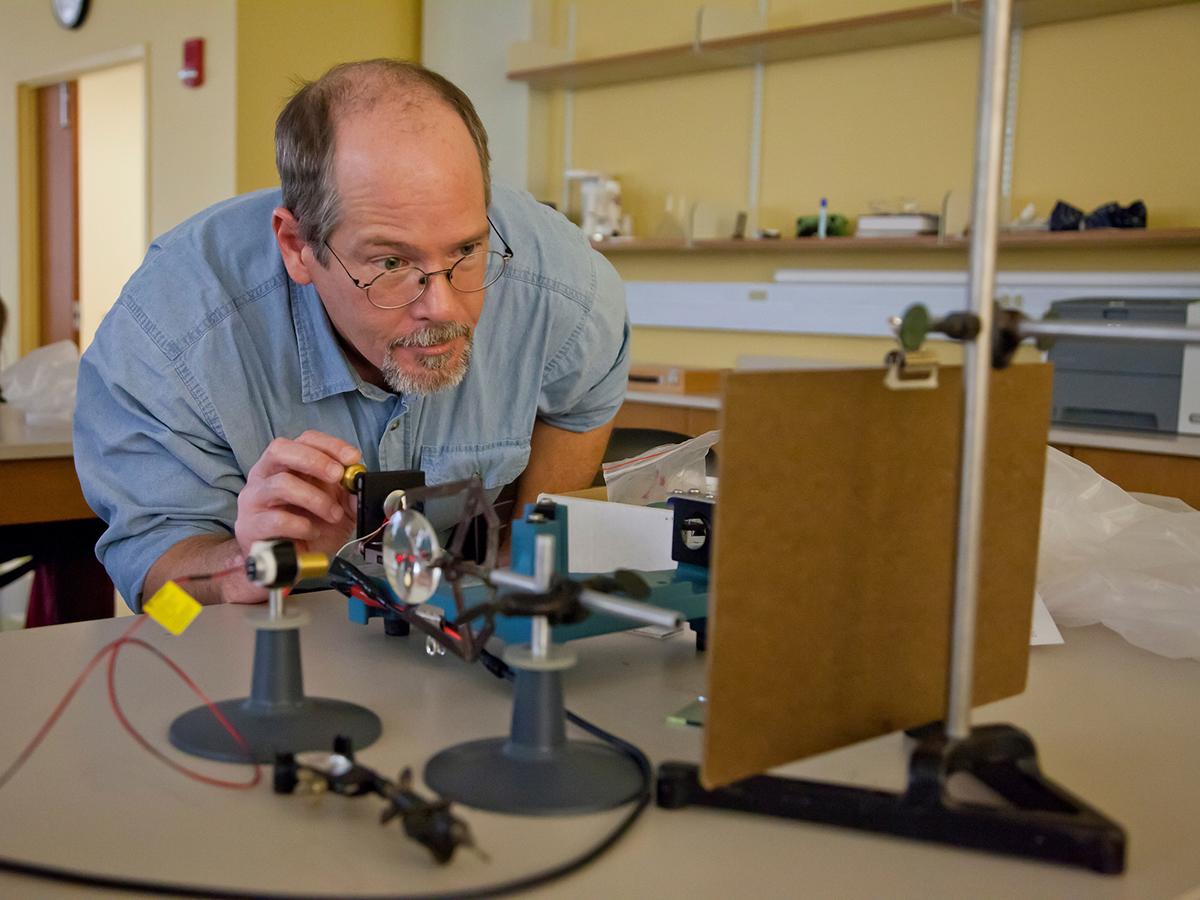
(411, 193)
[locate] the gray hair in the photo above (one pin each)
(304, 134)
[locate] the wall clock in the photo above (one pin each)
(69, 13)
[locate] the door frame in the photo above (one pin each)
(28, 203)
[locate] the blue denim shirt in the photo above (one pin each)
(212, 351)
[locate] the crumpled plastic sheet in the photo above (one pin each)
(42, 383)
(651, 476)
(1107, 556)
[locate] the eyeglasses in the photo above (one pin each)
(398, 287)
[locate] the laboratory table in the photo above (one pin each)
(1115, 724)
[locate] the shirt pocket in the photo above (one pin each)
(496, 465)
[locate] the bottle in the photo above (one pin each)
(823, 218)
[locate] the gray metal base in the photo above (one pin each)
(577, 777)
(276, 717)
(312, 725)
(536, 771)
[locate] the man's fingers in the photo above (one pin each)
(278, 522)
(331, 446)
(283, 455)
(286, 489)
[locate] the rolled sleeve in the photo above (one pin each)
(151, 464)
(585, 381)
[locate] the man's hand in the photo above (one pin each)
(293, 492)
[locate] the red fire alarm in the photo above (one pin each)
(192, 73)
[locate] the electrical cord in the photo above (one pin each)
(112, 650)
(495, 666)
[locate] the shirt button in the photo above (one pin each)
(394, 425)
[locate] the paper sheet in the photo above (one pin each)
(1044, 630)
(603, 536)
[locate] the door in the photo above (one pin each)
(58, 190)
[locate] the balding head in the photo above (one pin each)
(306, 130)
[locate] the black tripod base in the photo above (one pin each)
(1040, 821)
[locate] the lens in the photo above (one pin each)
(397, 288)
(400, 287)
(475, 271)
(410, 552)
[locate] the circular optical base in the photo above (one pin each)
(575, 777)
(262, 621)
(309, 725)
(557, 658)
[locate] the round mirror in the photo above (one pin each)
(410, 551)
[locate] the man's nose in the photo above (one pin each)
(440, 300)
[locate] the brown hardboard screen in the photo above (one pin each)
(833, 568)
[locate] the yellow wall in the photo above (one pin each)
(896, 122)
(112, 188)
(190, 137)
(280, 41)
(882, 125)
(202, 144)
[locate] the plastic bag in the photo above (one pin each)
(649, 477)
(1107, 557)
(42, 383)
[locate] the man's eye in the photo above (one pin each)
(468, 249)
(392, 263)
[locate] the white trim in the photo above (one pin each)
(859, 304)
(1162, 443)
(1189, 280)
(859, 276)
(106, 60)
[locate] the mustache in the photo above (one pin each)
(431, 335)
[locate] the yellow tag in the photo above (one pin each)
(172, 607)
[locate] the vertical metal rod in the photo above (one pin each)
(754, 169)
(1010, 120)
(539, 637)
(993, 62)
(275, 610)
(568, 121)
(543, 574)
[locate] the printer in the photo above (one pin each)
(1141, 385)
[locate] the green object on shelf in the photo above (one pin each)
(836, 225)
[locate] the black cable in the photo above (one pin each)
(498, 668)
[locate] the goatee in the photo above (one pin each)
(437, 372)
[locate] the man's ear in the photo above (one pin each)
(297, 256)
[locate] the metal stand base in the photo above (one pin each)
(276, 717)
(1043, 821)
(536, 771)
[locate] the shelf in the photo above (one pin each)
(1134, 238)
(906, 26)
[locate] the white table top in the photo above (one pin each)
(19, 440)
(1114, 724)
(1130, 441)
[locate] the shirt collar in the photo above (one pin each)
(324, 370)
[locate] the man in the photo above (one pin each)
(268, 342)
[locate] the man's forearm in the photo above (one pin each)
(204, 555)
(560, 461)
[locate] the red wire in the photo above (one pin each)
(150, 748)
(112, 650)
(62, 705)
